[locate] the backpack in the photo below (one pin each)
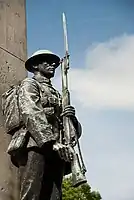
(10, 108)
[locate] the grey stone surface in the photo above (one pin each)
(12, 38)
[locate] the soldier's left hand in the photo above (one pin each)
(69, 111)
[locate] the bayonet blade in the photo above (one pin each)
(65, 33)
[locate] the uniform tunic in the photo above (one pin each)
(41, 169)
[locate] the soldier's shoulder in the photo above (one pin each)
(29, 82)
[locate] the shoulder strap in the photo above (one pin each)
(39, 86)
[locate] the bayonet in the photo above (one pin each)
(65, 33)
(66, 59)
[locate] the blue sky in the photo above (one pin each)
(101, 44)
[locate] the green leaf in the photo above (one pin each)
(82, 192)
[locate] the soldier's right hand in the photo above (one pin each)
(65, 151)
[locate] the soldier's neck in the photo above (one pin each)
(38, 76)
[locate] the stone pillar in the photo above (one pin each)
(13, 39)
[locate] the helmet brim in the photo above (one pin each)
(36, 59)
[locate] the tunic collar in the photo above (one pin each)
(42, 79)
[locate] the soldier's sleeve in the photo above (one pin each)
(32, 112)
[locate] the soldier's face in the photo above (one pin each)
(47, 69)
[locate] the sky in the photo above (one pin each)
(101, 46)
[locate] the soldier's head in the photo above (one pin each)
(43, 62)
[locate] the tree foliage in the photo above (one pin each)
(82, 192)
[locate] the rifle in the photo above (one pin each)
(78, 169)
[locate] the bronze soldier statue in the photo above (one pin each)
(36, 147)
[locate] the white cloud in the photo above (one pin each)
(107, 80)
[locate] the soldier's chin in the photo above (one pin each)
(51, 74)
